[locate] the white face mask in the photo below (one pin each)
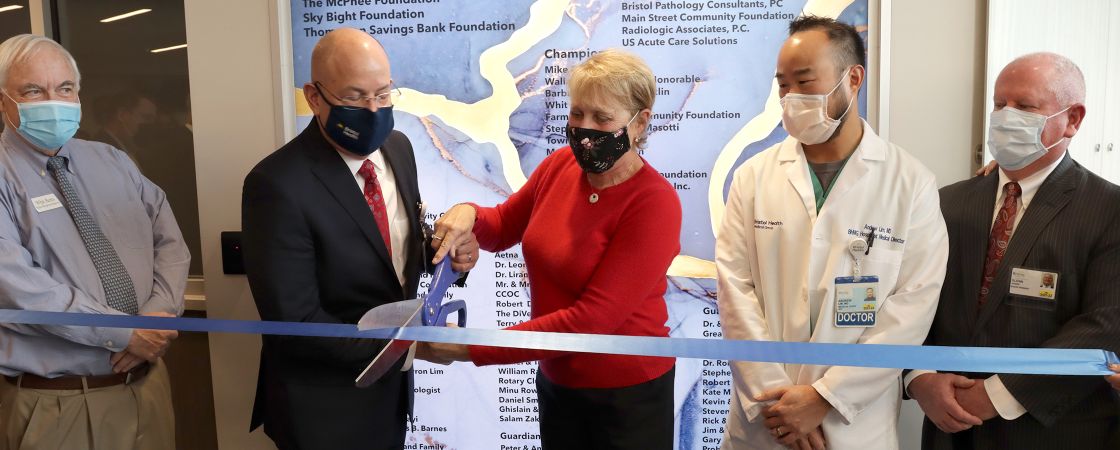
(1015, 137)
(805, 116)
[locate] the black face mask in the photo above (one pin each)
(356, 129)
(596, 151)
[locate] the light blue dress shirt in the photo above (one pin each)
(45, 266)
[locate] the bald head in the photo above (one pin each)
(1049, 85)
(348, 53)
(1059, 77)
(348, 68)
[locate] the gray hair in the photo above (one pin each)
(1066, 82)
(18, 48)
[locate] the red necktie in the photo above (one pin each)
(1001, 235)
(376, 202)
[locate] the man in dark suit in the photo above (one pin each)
(1042, 212)
(332, 228)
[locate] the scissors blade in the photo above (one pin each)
(391, 314)
(403, 314)
(384, 362)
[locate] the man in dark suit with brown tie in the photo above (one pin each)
(1041, 213)
(332, 228)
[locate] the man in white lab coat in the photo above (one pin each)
(810, 225)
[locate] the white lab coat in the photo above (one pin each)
(774, 252)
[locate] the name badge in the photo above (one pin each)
(1034, 283)
(857, 301)
(44, 203)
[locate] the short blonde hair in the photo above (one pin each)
(617, 75)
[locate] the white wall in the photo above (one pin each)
(937, 54)
(232, 96)
(937, 82)
(936, 109)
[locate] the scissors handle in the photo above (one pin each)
(442, 279)
(453, 306)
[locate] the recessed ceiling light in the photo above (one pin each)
(10, 7)
(126, 15)
(173, 47)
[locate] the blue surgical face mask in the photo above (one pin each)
(49, 124)
(1015, 137)
(356, 129)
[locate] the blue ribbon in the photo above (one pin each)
(1037, 361)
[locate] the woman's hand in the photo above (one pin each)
(984, 171)
(444, 354)
(1114, 380)
(453, 235)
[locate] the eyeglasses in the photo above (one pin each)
(381, 100)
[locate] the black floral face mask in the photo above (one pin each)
(596, 151)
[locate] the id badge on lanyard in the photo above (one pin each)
(857, 296)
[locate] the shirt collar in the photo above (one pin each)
(1028, 185)
(354, 162)
(18, 145)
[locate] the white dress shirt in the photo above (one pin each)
(1006, 405)
(394, 206)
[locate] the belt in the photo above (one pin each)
(73, 382)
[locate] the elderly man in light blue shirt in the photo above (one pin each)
(81, 230)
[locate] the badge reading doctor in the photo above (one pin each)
(856, 301)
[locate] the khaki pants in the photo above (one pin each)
(134, 416)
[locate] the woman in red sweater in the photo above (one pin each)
(599, 227)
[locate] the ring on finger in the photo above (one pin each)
(470, 257)
(437, 238)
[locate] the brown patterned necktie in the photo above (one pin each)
(1000, 237)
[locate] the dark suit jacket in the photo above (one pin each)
(313, 254)
(1072, 227)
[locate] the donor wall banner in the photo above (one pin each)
(484, 99)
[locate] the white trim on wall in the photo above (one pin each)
(40, 14)
(283, 76)
(879, 60)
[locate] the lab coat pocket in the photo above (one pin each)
(884, 263)
(884, 257)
